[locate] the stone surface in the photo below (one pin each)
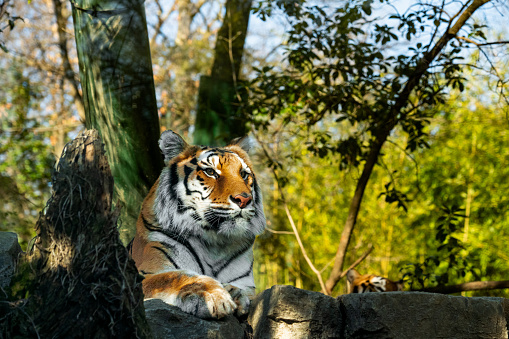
(9, 253)
(289, 312)
(421, 315)
(169, 322)
(505, 305)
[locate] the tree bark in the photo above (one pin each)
(119, 96)
(383, 134)
(218, 118)
(62, 17)
(85, 284)
(353, 211)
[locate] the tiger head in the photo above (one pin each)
(208, 192)
(370, 283)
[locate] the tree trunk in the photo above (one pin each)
(218, 118)
(85, 284)
(119, 97)
(62, 17)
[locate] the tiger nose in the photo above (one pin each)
(242, 199)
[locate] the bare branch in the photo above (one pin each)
(358, 261)
(492, 66)
(437, 27)
(161, 19)
(290, 219)
(478, 44)
(3, 8)
(278, 232)
(303, 249)
(469, 286)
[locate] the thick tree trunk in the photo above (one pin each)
(218, 118)
(85, 284)
(119, 96)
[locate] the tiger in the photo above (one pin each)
(370, 283)
(197, 226)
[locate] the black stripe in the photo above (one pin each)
(177, 238)
(257, 194)
(173, 191)
(223, 264)
(187, 172)
(174, 180)
(167, 256)
(148, 225)
(212, 154)
(243, 275)
(181, 208)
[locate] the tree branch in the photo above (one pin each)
(469, 286)
(358, 261)
(161, 19)
(478, 44)
(302, 248)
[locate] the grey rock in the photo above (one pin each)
(289, 312)
(422, 315)
(9, 253)
(505, 304)
(170, 322)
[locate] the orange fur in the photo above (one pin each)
(176, 282)
(368, 283)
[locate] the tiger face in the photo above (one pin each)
(208, 191)
(370, 283)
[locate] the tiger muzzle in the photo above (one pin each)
(242, 200)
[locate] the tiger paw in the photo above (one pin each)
(242, 299)
(205, 298)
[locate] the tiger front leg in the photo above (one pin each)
(199, 295)
(241, 297)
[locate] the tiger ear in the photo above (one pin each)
(171, 144)
(243, 142)
(351, 275)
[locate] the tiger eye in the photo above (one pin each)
(244, 174)
(210, 172)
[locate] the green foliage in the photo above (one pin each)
(448, 262)
(349, 83)
(468, 153)
(26, 159)
(340, 64)
(23, 283)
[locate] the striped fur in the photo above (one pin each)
(370, 283)
(197, 227)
